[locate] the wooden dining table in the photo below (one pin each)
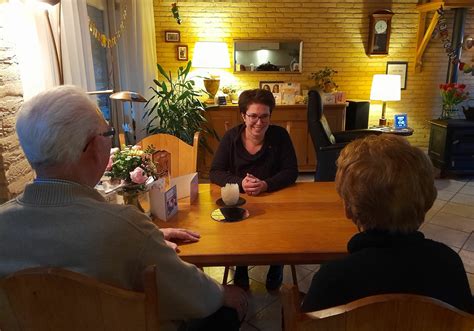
(301, 224)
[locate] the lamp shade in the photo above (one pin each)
(208, 54)
(128, 96)
(385, 88)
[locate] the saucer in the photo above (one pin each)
(221, 203)
(229, 214)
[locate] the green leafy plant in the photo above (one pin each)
(175, 107)
(324, 79)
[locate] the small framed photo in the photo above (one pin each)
(172, 36)
(400, 121)
(182, 52)
(398, 68)
(272, 86)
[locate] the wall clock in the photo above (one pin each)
(379, 32)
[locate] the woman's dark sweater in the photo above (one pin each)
(381, 263)
(275, 162)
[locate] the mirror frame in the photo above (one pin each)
(300, 59)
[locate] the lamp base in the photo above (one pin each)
(210, 101)
(383, 122)
(212, 86)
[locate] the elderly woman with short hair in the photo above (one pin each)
(387, 187)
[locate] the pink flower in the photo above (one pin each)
(138, 176)
(111, 162)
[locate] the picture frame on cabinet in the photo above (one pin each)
(398, 68)
(172, 36)
(270, 85)
(182, 52)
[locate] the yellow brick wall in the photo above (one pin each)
(334, 34)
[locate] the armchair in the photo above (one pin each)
(327, 145)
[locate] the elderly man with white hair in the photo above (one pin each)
(61, 221)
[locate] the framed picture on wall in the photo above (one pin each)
(182, 52)
(172, 36)
(398, 68)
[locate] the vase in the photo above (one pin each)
(447, 112)
(132, 197)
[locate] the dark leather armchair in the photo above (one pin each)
(327, 144)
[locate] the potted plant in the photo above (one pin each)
(175, 107)
(452, 94)
(324, 79)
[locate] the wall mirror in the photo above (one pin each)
(268, 55)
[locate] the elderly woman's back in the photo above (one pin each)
(387, 187)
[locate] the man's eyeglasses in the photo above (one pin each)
(255, 117)
(109, 133)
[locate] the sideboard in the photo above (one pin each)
(291, 117)
(451, 147)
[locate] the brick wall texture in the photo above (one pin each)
(14, 169)
(334, 34)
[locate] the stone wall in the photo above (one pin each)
(14, 169)
(334, 34)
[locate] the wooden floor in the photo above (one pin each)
(451, 221)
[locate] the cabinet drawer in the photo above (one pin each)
(462, 142)
(461, 162)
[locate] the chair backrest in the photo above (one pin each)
(407, 312)
(318, 126)
(57, 299)
(183, 156)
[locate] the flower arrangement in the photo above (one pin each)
(132, 165)
(452, 94)
(324, 79)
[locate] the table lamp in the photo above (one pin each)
(131, 97)
(385, 88)
(212, 55)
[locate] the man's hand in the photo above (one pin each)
(183, 235)
(235, 297)
(253, 186)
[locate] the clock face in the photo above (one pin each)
(380, 27)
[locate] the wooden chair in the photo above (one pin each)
(56, 299)
(407, 312)
(183, 156)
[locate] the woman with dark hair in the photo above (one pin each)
(259, 157)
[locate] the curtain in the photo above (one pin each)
(137, 57)
(27, 20)
(76, 45)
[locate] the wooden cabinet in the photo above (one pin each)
(451, 147)
(291, 117)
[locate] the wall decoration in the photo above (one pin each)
(379, 32)
(182, 52)
(175, 11)
(172, 36)
(442, 31)
(101, 37)
(398, 68)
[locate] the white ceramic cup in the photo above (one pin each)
(230, 194)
